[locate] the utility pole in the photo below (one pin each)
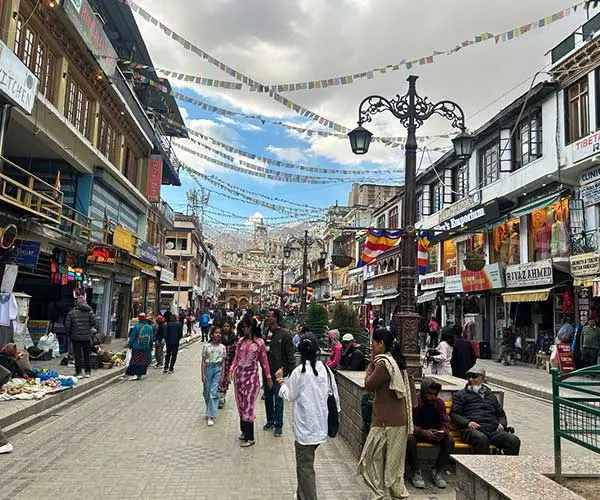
(196, 205)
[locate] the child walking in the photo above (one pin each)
(213, 371)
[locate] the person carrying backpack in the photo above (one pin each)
(204, 326)
(141, 341)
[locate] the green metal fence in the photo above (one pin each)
(576, 414)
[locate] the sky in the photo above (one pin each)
(276, 41)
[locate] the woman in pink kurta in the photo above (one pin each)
(249, 352)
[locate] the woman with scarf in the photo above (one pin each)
(336, 349)
(249, 352)
(16, 363)
(228, 339)
(382, 461)
(141, 341)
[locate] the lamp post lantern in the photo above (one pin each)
(412, 111)
(304, 242)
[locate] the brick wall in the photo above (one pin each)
(350, 418)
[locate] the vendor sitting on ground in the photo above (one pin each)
(17, 363)
(353, 356)
(477, 412)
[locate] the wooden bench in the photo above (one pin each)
(459, 444)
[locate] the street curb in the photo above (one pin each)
(533, 390)
(46, 407)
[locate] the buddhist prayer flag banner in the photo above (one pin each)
(378, 241)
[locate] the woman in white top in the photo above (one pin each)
(308, 391)
(441, 362)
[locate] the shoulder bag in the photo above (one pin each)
(333, 417)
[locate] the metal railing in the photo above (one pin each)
(34, 195)
(576, 416)
(584, 242)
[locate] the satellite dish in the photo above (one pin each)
(8, 237)
(170, 245)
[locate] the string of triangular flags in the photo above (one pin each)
(273, 90)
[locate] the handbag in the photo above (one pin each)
(333, 417)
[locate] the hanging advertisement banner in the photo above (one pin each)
(489, 278)
(453, 284)
(585, 264)
(17, 82)
(155, 168)
(123, 239)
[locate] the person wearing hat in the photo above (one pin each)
(308, 389)
(477, 412)
(353, 357)
(78, 326)
(141, 341)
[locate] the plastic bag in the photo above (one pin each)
(127, 356)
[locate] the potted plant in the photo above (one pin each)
(474, 261)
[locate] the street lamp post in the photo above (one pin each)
(305, 243)
(411, 110)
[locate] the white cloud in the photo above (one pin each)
(254, 219)
(287, 154)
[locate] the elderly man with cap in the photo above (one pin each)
(353, 356)
(477, 412)
(141, 340)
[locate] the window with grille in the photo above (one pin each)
(461, 182)
(78, 107)
(131, 167)
(381, 221)
(107, 139)
(394, 218)
(437, 197)
(37, 56)
(578, 110)
(528, 140)
(489, 166)
(419, 208)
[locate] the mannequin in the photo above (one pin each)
(560, 241)
(514, 253)
(505, 249)
(543, 237)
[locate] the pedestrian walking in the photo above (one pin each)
(213, 363)
(141, 340)
(434, 331)
(280, 352)
(250, 351)
(5, 446)
(159, 342)
(78, 326)
(443, 357)
(590, 342)
(173, 335)
(229, 340)
(204, 325)
(189, 322)
(308, 391)
(381, 464)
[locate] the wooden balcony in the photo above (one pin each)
(32, 195)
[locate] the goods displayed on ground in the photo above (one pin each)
(43, 382)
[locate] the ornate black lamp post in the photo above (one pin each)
(412, 110)
(305, 243)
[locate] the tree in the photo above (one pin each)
(317, 320)
(345, 318)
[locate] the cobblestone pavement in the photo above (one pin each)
(148, 439)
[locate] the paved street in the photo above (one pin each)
(148, 440)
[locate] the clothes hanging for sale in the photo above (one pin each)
(567, 302)
(8, 309)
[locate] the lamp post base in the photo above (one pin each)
(408, 337)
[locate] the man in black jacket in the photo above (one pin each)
(463, 354)
(478, 413)
(280, 352)
(78, 326)
(174, 333)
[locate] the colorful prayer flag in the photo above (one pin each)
(378, 241)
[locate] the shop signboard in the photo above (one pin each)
(17, 82)
(123, 239)
(590, 193)
(146, 252)
(166, 275)
(489, 278)
(101, 254)
(155, 168)
(432, 281)
(566, 361)
(453, 284)
(26, 253)
(586, 146)
(91, 30)
(585, 264)
(143, 266)
(457, 207)
(530, 274)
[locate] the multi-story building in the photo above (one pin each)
(82, 163)
(371, 195)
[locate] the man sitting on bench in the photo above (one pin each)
(431, 425)
(477, 412)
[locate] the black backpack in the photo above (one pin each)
(333, 417)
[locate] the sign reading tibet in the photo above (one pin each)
(489, 278)
(17, 82)
(530, 274)
(587, 146)
(155, 168)
(81, 14)
(585, 264)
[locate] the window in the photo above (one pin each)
(461, 182)
(179, 271)
(393, 218)
(432, 258)
(78, 107)
(528, 140)
(549, 236)
(489, 168)
(437, 197)
(381, 221)
(505, 244)
(182, 243)
(449, 258)
(36, 55)
(107, 139)
(419, 208)
(131, 167)
(578, 110)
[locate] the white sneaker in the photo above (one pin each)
(87, 375)
(7, 448)
(135, 377)
(210, 422)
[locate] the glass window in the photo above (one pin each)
(474, 243)
(107, 139)
(151, 298)
(437, 197)
(549, 234)
(528, 140)
(461, 182)
(449, 258)
(419, 200)
(489, 167)
(578, 110)
(381, 221)
(78, 107)
(432, 262)
(182, 243)
(505, 245)
(138, 290)
(394, 218)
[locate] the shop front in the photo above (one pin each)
(430, 296)
(382, 295)
(585, 269)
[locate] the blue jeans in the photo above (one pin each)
(273, 405)
(212, 372)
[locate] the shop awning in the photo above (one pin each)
(535, 205)
(377, 301)
(527, 295)
(426, 297)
